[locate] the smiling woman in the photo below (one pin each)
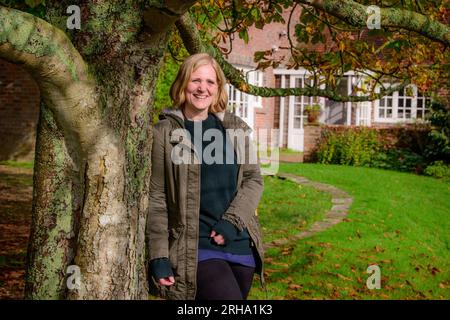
(199, 87)
(203, 234)
(200, 92)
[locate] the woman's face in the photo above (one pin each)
(201, 89)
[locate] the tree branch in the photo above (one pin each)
(194, 44)
(356, 15)
(58, 69)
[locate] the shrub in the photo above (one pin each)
(438, 170)
(350, 147)
(400, 160)
(438, 147)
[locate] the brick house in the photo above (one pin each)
(286, 115)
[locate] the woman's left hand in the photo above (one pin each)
(218, 238)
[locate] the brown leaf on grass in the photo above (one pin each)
(307, 292)
(336, 294)
(379, 249)
(281, 264)
(315, 255)
(340, 276)
(294, 286)
(442, 286)
(268, 272)
(433, 270)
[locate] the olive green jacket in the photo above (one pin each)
(173, 219)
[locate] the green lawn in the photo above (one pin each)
(288, 208)
(397, 221)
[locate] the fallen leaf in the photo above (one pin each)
(433, 270)
(340, 276)
(294, 286)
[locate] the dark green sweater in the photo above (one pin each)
(218, 186)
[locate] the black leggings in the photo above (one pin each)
(222, 280)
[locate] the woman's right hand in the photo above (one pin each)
(167, 281)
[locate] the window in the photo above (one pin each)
(300, 102)
(240, 103)
(404, 109)
(257, 79)
(402, 106)
(423, 106)
(385, 108)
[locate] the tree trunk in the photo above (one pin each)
(91, 198)
(57, 196)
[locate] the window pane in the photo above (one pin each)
(408, 103)
(400, 103)
(408, 114)
(419, 114)
(389, 102)
(382, 102)
(297, 123)
(381, 113)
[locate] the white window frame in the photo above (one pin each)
(396, 97)
(248, 102)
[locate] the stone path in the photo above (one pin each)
(341, 201)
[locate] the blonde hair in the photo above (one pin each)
(189, 65)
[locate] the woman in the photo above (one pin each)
(204, 239)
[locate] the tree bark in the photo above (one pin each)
(92, 163)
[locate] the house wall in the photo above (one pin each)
(273, 35)
(19, 111)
